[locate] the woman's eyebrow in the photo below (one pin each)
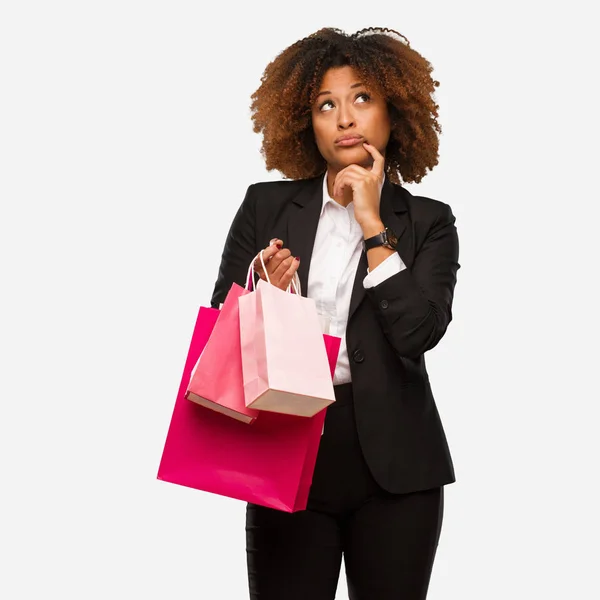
(354, 85)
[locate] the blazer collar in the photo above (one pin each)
(313, 191)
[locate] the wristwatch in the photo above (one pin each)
(386, 238)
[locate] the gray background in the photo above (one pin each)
(125, 149)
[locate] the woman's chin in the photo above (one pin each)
(355, 155)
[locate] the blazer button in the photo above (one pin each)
(358, 356)
(384, 304)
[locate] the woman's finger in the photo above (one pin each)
(277, 259)
(267, 255)
(279, 271)
(356, 169)
(343, 180)
(274, 261)
(378, 161)
(287, 277)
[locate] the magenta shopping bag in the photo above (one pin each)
(269, 462)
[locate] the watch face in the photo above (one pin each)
(391, 238)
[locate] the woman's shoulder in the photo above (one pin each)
(424, 206)
(285, 184)
(282, 190)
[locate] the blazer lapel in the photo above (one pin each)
(394, 214)
(302, 226)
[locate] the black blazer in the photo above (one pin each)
(390, 326)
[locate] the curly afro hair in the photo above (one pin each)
(281, 106)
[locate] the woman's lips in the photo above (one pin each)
(350, 141)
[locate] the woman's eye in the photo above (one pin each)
(328, 104)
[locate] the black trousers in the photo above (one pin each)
(388, 541)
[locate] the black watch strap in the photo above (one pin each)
(385, 238)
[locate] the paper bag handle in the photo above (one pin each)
(295, 282)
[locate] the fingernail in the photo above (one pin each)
(297, 258)
(279, 245)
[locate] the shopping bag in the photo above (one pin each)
(216, 380)
(270, 462)
(284, 361)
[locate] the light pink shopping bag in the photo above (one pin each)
(270, 462)
(284, 360)
(216, 380)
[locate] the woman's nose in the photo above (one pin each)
(345, 118)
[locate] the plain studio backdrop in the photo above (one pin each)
(126, 149)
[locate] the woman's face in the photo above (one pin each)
(344, 115)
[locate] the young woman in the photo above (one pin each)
(345, 118)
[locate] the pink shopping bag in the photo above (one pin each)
(284, 361)
(216, 381)
(270, 462)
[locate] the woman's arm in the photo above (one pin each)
(239, 249)
(414, 306)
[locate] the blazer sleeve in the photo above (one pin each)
(239, 249)
(414, 306)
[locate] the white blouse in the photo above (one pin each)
(336, 254)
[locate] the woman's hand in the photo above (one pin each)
(281, 265)
(365, 185)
